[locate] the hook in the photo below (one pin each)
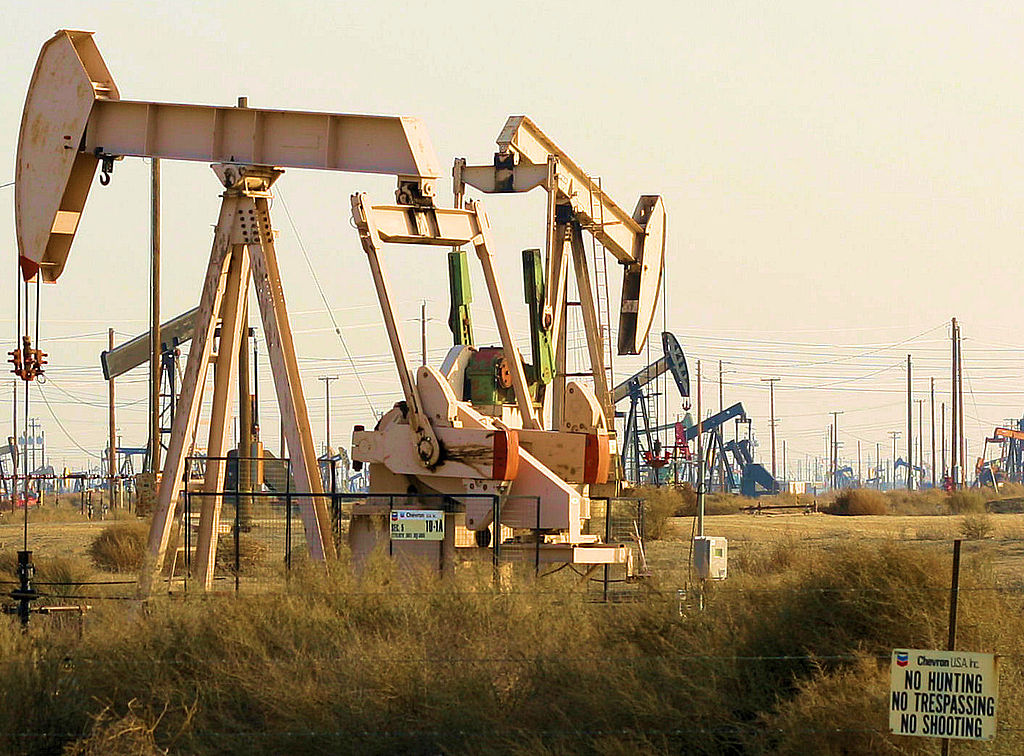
(106, 166)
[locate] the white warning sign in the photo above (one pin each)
(417, 525)
(943, 694)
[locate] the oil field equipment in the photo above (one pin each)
(135, 352)
(640, 447)
(1009, 465)
(471, 435)
(490, 465)
(528, 159)
(74, 122)
(733, 459)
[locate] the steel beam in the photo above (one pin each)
(186, 416)
(131, 354)
(225, 374)
(253, 136)
(288, 384)
(74, 120)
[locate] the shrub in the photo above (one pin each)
(975, 527)
(660, 503)
(120, 547)
(858, 502)
(962, 502)
(930, 501)
(70, 573)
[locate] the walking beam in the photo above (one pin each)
(75, 121)
(527, 159)
(442, 227)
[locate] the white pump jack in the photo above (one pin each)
(75, 121)
(434, 443)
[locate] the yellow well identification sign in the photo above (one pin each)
(417, 525)
(943, 694)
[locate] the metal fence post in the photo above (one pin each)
(607, 540)
(237, 529)
(496, 546)
(288, 517)
(187, 520)
(536, 540)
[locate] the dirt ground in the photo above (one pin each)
(1004, 545)
(50, 539)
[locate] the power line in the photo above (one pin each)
(42, 395)
(327, 306)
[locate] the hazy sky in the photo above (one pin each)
(841, 179)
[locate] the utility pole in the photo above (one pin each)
(878, 466)
(960, 404)
(700, 459)
(954, 436)
(771, 400)
(910, 430)
(860, 484)
(327, 415)
(920, 438)
(942, 432)
(933, 431)
(721, 391)
(785, 474)
(154, 318)
(894, 435)
(112, 458)
(835, 448)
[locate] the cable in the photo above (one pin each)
(42, 395)
(327, 306)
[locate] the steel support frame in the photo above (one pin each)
(243, 245)
(436, 227)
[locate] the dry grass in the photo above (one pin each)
(120, 547)
(406, 665)
(251, 554)
(859, 502)
(975, 527)
(964, 502)
(664, 502)
(930, 501)
(55, 577)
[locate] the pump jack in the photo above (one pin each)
(640, 447)
(436, 442)
(527, 159)
(74, 121)
(130, 355)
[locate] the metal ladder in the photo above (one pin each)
(600, 268)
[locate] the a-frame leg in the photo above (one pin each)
(225, 376)
(288, 386)
(482, 246)
(186, 416)
(558, 280)
(595, 339)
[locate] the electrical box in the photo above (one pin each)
(710, 557)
